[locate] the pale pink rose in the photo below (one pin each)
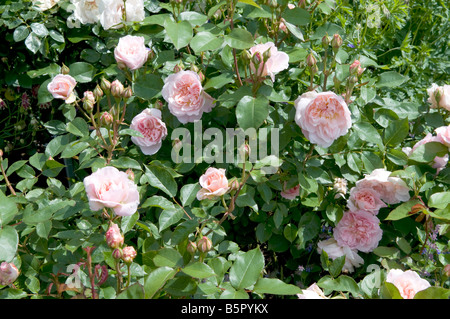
(291, 6)
(291, 193)
(214, 183)
(392, 190)
(149, 123)
(8, 273)
(443, 135)
(358, 230)
(131, 51)
(444, 96)
(366, 199)
(407, 282)
(333, 250)
(109, 187)
(277, 62)
(438, 163)
(356, 69)
(128, 254)
(62, 87)
(282, 26)
(323, 117)
(185, 96)
(312, 292)
(114, 237)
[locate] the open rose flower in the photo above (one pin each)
(291, 193)
(323, 117)
(358, 230)
(443, 135)
(214, 183)
(149, 123)
(112, 17)
(184, 93)
(392, 190)
(312, 292)
(407, 282)
(333, 250)
(62, 87)
(109, 187)
(365, 199)
(88, 11)
(439, 96)
(277, 62)
(8, 273)
(131, 52)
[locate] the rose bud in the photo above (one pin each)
(326, 40)
(105, 85)
(8, 273)
(127, 93)
(117, 88)
(311, 60)
(106, 118)
(65, 69)
(130, 174)
(204, 244)
(191, 247)
(336, 42)
(447, 270)
(98, 93)
(129, 253)
(117, 253)
(114, 237)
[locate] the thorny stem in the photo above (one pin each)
(6, 178)
(91, 275)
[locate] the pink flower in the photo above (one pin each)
(355, 68)
(438, 162)
(291, 193)
(333, 250)
(312, 292)
(277, 62)
(439, 96)
(323, 117)
(366, 199)
(407, 282)
(114, 237)
(392, 190)
(128, 254)
(214, 183)
(8, 273)
(109, 187)
(184, 93)
(149, 123)
(62, 87)
(443, 135)
(358, 230)
(131, 51)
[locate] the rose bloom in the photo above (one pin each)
(62, 87)
(128, 254)
(214, 183)
(366, 199)
(312, 292)
(131, 51)
(291, 193)
(358, 230)
(444, 96)
(88, 11)
(149, 123)
(8, 273)
(443, 135)
(407, 282)
(43, 5)
(112, 17)
(333, 250)
(392, 190)
(184, 93)
(323, 117)
(277, 62)
(109, 187)
(114, 237)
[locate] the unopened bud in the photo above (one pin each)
(257, 58)
(311, 60)
(1, 153)
(336, 42)
(117, 88)
(194, 68)
(98, 93)
(117, 253)
(244, 151)
(204, 244)
(130, 174)
(233, 184)
(159, 105)
(8, 273)
(201, 76)
(127, 93)
(88, 105)
(105, 85)
(65, 69)
(447, 270)
(128, 254)
(326, 40)
(246, 56)
(177, 144)
(114, 237)
(266, 55)
(106, 118)
(178, 68)
(191, 247)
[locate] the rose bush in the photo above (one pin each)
(236, 149)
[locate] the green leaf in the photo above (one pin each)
(198, 270)
(389, 291)
(246, 269)
(9, 241)
(426, 153)
(342, 283)
(188, 193)
(368, 133)
(147, 86)
(439, 200)
(168, 257)
(275, 286)
(239, 39)
(290, 232)
(157, 279)
(396, 132)
(78, 127)
(297, 16)
(39, 29)
(74, 148)
(160, 178)
(219, 81)
(433, 293)
(250, 2)
(205, 41)
(82, 72)
(135, 291)
(158, 201)
(391, 79)
(252, 112)
(169, 217)
(402, 210)
(8, 209)
(336, 266)
(21, 33)
(180, 33)
(32, 42)
(131, 132)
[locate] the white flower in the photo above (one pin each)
(88, 11)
